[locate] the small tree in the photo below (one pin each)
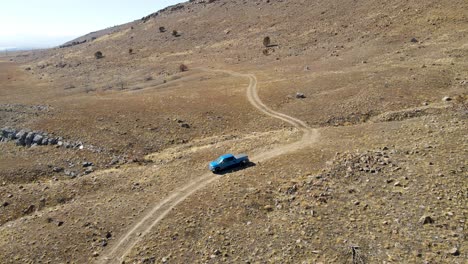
(130, 51)
(175, 33)
(266, 41)
(162, 29)
(183, 67)
(98, 55)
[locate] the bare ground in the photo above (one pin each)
(384, 182)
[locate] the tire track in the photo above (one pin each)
(123, 246)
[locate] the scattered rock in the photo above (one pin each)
(300, 96)
(454, 251)
(71, 174)
(89, 170)
(114, 161)
(87, 164)
(57, 169)
(426, 220)
(30, 209)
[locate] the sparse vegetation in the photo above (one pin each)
(120, 85)
(89, 89)
(266, 41)
(378, 177)
(98, 55)
(183, 67)
(355, 255)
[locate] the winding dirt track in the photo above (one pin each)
(124, 244)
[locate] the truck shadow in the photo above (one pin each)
(234, 169)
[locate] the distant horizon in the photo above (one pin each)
(37, 43)
(7, 49)
(23, 27)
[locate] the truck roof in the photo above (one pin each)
(226, 156)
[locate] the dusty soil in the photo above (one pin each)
(370, 167)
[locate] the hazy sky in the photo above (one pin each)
(47, 23)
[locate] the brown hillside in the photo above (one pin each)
(368, 166)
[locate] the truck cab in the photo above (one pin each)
(228, 161)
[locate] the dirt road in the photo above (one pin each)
(122, 247)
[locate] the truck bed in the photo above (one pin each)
(241, 156)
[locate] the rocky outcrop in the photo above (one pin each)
(74, 43)
(28, 138)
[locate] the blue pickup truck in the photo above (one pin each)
(228, 161)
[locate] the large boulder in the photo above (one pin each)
(37, 139)
(53, 141)
(4, 132)
(29, 138)
(19, 142)
(21, 137)
(8, 133)
(45, 141)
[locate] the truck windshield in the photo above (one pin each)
(225, 159)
